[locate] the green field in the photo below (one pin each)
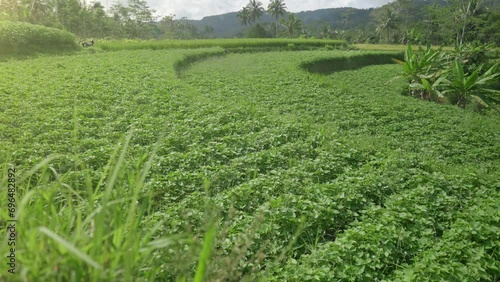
(239, 43)
(207, 165)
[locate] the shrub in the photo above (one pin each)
(463, 88)
(18, 38)
(459, 76)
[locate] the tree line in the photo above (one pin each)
(286, 24)
(135, 20)
(400, 22)
(443, 22)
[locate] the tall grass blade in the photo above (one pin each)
(205, 254)
(117, 168)
(38, 167)
(70, 247)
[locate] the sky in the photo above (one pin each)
(197, 9)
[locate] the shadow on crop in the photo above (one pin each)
(332, 65)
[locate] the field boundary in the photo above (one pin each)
(223, 43)
(323, 66)
(190, 59)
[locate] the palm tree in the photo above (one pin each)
(388, 21)
(292, 24)
(274, 28)
(255, 10)
(465, 11)
(276, 8)
(244, 16)
(326, 32)
(36, 10)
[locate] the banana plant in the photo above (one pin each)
(463, 87)
(428, 89)
(422, 70)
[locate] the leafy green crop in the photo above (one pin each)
(245, 166)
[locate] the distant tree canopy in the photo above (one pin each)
(135, 19)
(399, 22)
(437, 22)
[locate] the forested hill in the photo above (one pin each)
(227, 25)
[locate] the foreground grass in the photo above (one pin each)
(247, 166)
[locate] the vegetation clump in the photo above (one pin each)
(19, 38)
(461, 77)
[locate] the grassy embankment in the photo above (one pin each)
(232, 44)
(22, 39)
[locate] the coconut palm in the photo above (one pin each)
(326, 32)
(244, 16)
(255, 10)
(35, 10)
(388, 22)
(292, 25)
(466, 10)
(277, 8)
(274, 28)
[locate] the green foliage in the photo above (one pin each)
(402, 21)
(250, 13)
(421, 71)
(389, 236)
(431, 76)
(292, 25)
(223, 43)
(468, 250)
(83, 231)
(257, 31)
(243, 167)
(18, 38)
(194, 57)
(463, 87)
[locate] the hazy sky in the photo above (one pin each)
(197, 9)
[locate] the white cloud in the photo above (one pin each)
(197, 9)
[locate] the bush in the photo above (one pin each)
(18, 38)
(461, 77)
